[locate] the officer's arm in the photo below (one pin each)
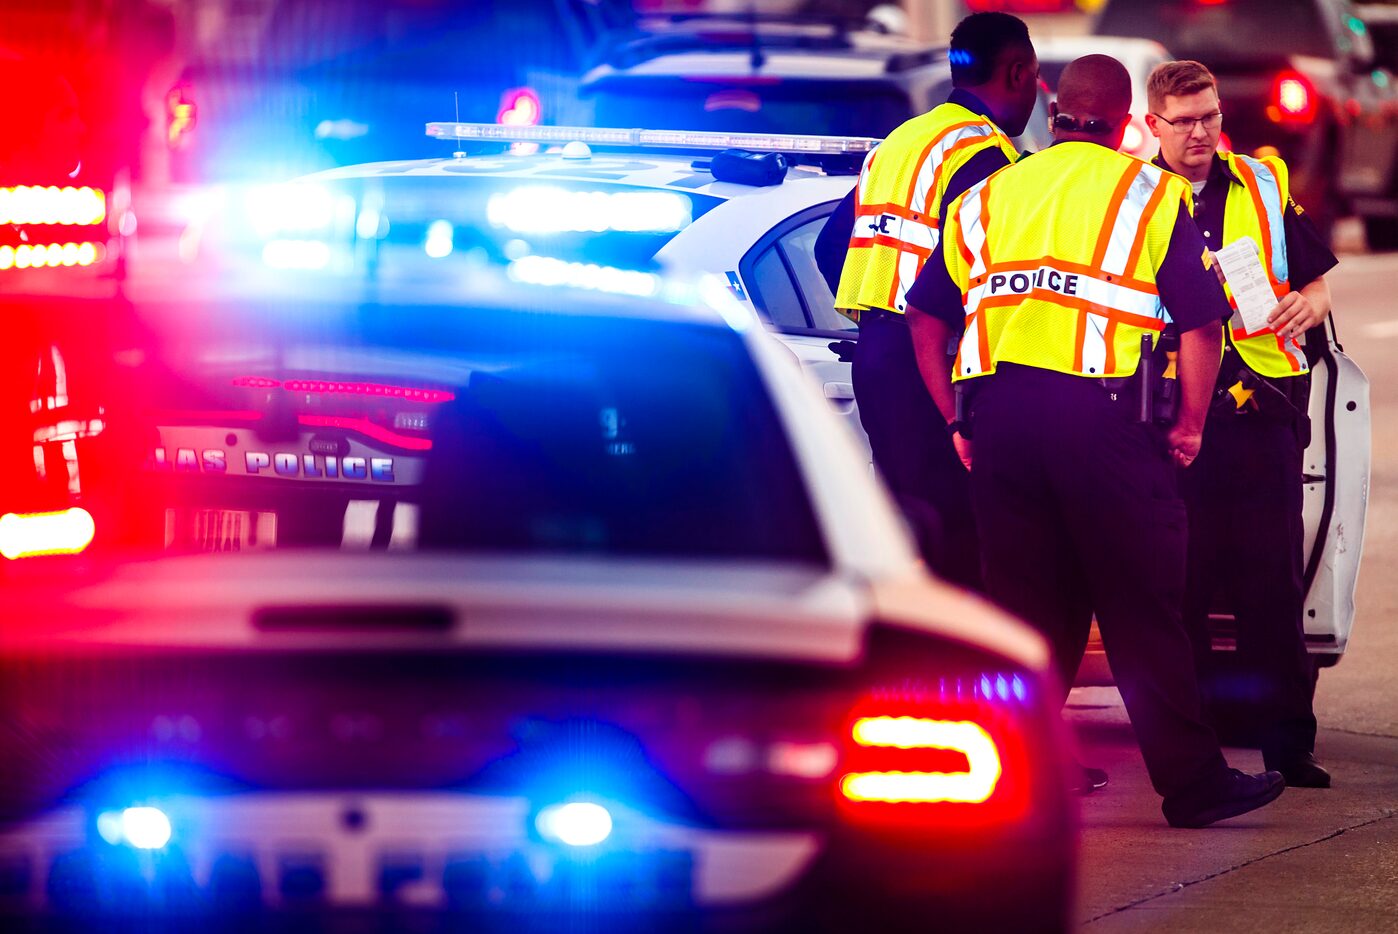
(931, 336)
(832, 243)
(1191, 292)
(1308, 254)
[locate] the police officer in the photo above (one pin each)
(1066, 260)
(1244, 492)
(879, 239)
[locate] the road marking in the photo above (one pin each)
(1382, 329)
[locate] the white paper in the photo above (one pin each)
(1247, 278)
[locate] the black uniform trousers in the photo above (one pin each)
(1079, 510)
(911, 447)
(1245, 544)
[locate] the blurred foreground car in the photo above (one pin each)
(613, 632)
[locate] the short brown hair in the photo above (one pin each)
(1179, 79)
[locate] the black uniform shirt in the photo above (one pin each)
(1188, 289)
(833, 242)
(1306, 252)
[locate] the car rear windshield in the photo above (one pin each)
(1190, 28)
(830, 108)
(477, 429)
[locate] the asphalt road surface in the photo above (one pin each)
(1315, 861)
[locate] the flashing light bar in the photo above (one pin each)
(653, 139)
(36, 204)
(335, 387)
(970, 787)
(35, 255)
(28, 535)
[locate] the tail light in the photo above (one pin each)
(180, 116)
(1293, 99)
(953, 754)
(1135, 140)
(29, 535)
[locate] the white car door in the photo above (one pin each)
(783, 282)
(1336, 498)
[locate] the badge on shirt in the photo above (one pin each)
(1208, 259)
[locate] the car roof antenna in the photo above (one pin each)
(758, 59)
(456, 96)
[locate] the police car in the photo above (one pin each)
(656, 654)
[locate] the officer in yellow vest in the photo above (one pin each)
(880, 238)
(1052, 272)
(1244, 492)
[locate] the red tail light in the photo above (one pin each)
(180, 116)
(27, 535)
(1293, 99)
(954, 755)
(972, 784)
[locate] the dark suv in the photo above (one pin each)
(826, 76)
(1297, 77)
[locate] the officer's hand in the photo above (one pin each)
(1217, 268)
(1294, 315)
(963, 449)
(1184, 445)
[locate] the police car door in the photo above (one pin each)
(1336, 468)
(787, 287)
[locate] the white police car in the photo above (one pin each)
(658, 658)
(620, 206)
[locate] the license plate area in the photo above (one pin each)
(628, 881)
(218, 529)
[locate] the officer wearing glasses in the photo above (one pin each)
(1056, 273)
(1244, 492)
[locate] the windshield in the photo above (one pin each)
(1189, 28)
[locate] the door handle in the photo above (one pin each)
(840, 396)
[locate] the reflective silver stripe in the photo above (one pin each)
(864, 174)
(1128, 220)
(1270, 190)
(972, 237)
(1088, 288)
(922, 190)
(913, 234)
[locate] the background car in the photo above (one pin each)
(1297, 77)
(1139, 56)
(789, 74)
(640, 646)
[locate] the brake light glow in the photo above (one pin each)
(327, 387)
(28, 535)
(972, 786)
(180, 117)
(37, 204)
(1134, 140)
(1293, 99)
(519, 107)
(52, 255)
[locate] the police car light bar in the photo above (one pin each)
(653, 139)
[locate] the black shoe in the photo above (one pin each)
(1088, 780)
(1225, 795)
(1304, 772)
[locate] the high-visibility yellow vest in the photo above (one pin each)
(1056, 257)
(1256, 209)
(899, 203)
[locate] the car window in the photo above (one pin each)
(776, 292)
(470, 429)
(799, 250)
(829, 108)
(787, 285)
(1189, 28)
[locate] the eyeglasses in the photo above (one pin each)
(1186, 124)
(1071, 124)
